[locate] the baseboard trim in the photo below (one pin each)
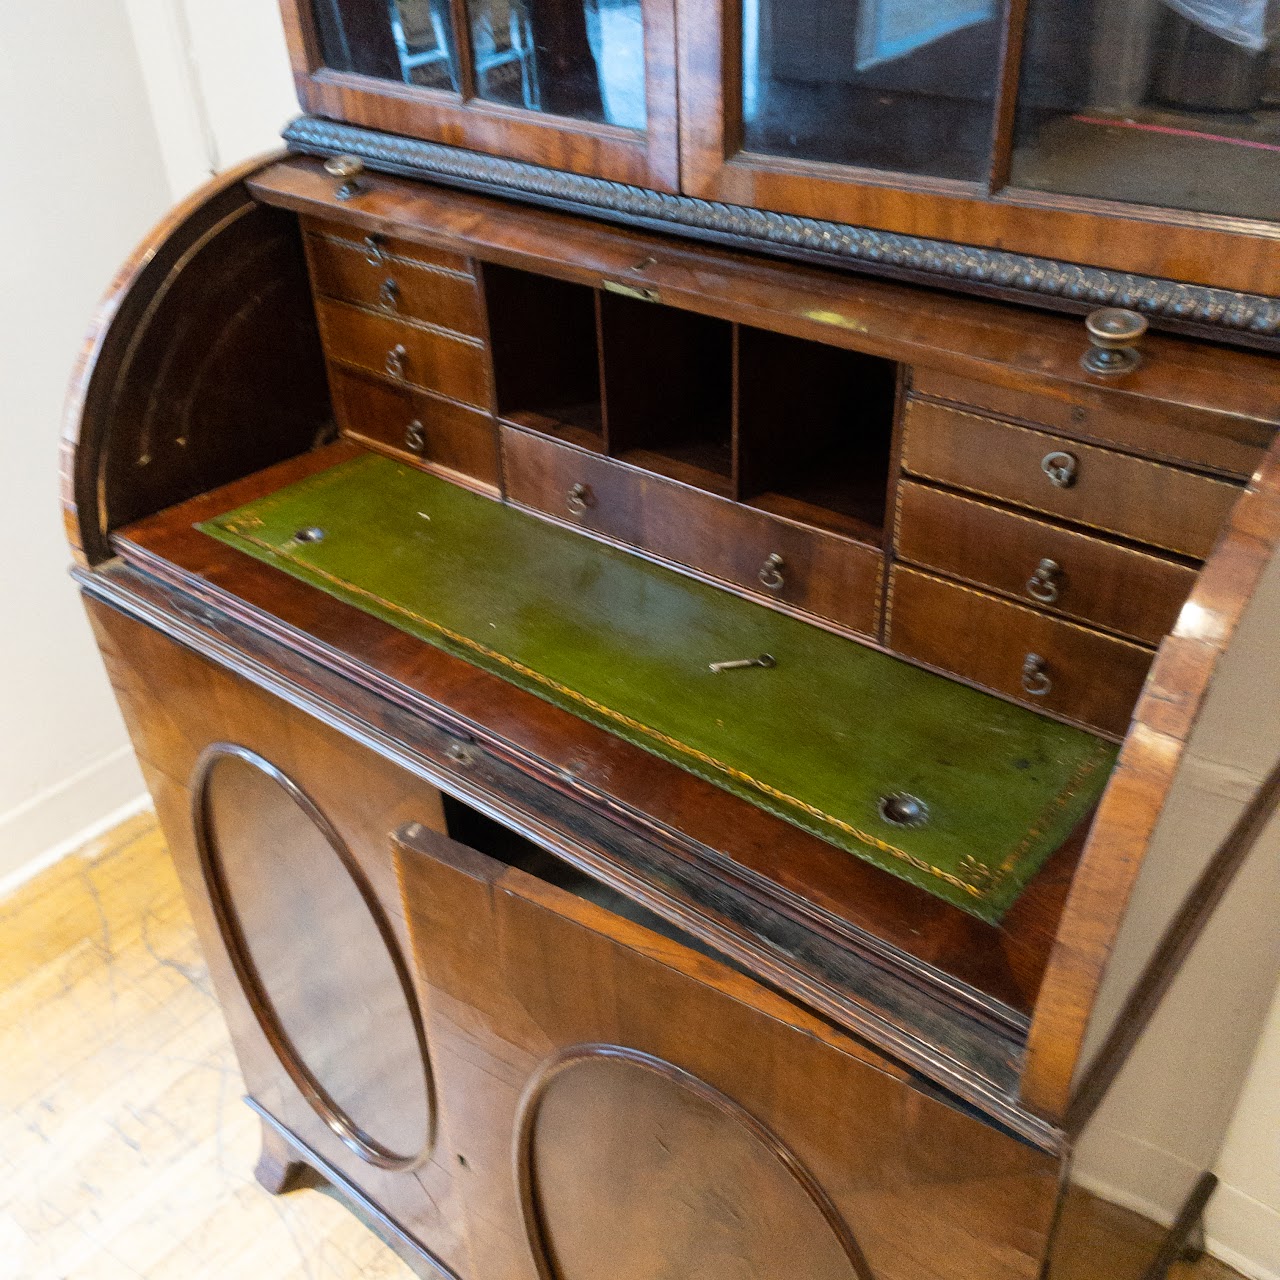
(66, 817)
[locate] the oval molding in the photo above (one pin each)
(568, 1059)
(264, 1011)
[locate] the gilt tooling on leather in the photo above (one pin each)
(818, 740)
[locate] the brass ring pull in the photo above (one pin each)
(373, 253)
(1061, 468)
(1035, 678)
(415, 436)
(771, 575)
(389, 295)
(1044, 585)
(579, 498)
(395, 363)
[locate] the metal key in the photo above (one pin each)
(764, 660)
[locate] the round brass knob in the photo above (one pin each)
(1113, 334)
(903, 810)
(347, 169)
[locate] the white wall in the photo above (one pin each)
(83, 182)
(219, 81)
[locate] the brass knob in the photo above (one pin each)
(1113, 334)
(415, 437)
(579, 498)
(1044, 584)
(903, 810)
(1035, 676)
(1061, 468)
(395, 362)
(347, 169)
(771, 575)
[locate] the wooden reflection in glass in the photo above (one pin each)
(1160, 102)
(408, 40)
(579, 58)
(902, 85)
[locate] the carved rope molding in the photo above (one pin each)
(992, 268)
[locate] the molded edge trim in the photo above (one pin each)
(1253, 318)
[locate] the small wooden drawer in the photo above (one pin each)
(1090, 579)
(407, 354)
(1176, 432)
(380, 249)
(421, 428)
(439, 295)
(1113, 492)
(787, 564)
(1047, 663)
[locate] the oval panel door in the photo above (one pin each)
(316, 956)
(633, 1169)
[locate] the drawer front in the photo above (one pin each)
(1112, 492)
(423, 429)
(1090, 579)
(1080, 674)
(1179, 433)
(439, 295)
(433, 360)
(380, 249)
(781, 562)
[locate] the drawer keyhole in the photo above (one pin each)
(1061, 468)
(1045, 584)
(771, 576)
(1035, 676)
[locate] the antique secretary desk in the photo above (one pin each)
(660, 566)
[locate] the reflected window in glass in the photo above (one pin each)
(407, 40)
(579, 58)
(901, 85)
(1158, 102)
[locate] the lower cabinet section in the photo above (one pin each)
(529, 1076)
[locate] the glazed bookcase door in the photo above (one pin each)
(627, 1106)
(582, 85)
(1016, 124)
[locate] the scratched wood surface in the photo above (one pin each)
(125, 1151)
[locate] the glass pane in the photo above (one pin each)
(1164, 102)
(581, 58)
(408, 40)
(904, 85)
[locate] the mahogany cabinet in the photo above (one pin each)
(660, 731)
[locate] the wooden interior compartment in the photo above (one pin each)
(546, 362)
(815, 425)
(429, 431)
(668, 378)
(845, 899)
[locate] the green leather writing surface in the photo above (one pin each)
(818, 739)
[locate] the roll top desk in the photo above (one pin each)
(660, 624)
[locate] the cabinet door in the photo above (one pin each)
(986, 122)
(621, 1105)
(582, 85)
(278, 829)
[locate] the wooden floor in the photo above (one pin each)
(125, 1150)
